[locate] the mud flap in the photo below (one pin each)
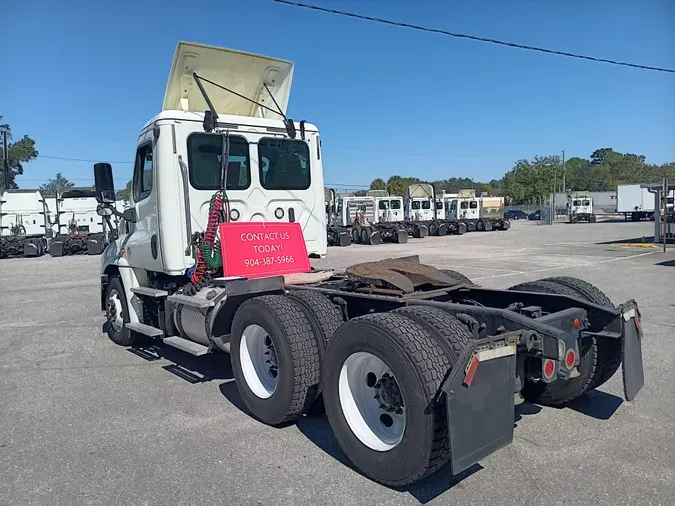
(442, 229)
(344, 239)
(461, 229)
(30, 249)
(374, 237)
(56, 249)
(631, 348)
(421, 231)
(480, 402)
(401, 236)
(506, 224)
(95, 246)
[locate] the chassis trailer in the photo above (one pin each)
(416, 367)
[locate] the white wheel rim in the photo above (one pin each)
(116, 301)
(376, 427)
(257, 356)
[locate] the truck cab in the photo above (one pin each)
(580, 207)
(219, 104)
(389, 208)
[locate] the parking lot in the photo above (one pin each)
(86, 421)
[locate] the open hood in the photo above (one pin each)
(420, 190)
(241, 72)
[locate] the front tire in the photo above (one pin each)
(275, 358)
(117, 314)
(381, 373)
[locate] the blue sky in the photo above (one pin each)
(83, 77)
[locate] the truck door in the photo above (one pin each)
(142, 245)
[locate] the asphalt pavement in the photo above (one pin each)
(84, 421)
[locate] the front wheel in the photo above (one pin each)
(380, 376)
(117, 314)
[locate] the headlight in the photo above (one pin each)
(279, 213)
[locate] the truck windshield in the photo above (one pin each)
(204, 153)
(473, 204)
(284, 164)
(415, 205)
(576, 203)
(426, 205)
(396, 204)
(384, 204)
(587, 202)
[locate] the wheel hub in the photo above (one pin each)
(388, 394)
(111, 311)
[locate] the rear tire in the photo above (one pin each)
(560, 392)
(275, 358)
(363, 350)
(609, 350)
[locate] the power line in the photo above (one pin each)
(78, 159)
(473, 37)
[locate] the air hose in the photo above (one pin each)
(208, 256)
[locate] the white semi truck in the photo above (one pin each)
(24, 223)
(417, 367)
(580, 207)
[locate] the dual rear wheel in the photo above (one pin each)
(378, 376)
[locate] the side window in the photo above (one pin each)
(453, 206)
(383, 205)
(142, 179)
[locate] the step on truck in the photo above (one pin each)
(416, 367)
(24, 219)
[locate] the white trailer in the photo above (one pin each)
(417, 367)
(635, 201)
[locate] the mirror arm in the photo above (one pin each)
(127, 215)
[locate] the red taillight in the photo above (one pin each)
(549, 368)
(576, 323)
(570, 359)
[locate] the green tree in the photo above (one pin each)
(18, 153)
(125, 194)
(57, 184)
(378, 184)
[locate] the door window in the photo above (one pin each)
(143, 173)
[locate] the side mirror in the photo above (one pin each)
(103, 179)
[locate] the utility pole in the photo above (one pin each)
(5, 161)
(564, 190)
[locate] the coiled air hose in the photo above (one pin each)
(208, 256)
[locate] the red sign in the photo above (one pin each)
(262, 249)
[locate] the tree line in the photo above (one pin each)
(532, 181)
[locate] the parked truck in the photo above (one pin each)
(580, 207)
(478, 212)
(416, 367)
(78, 228)
(636, 202)
(24, 219)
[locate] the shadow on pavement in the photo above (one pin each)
(596, 404)
(210, 367)
(666, 263)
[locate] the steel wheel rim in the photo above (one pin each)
(375, 427)
(258, 359)
(115, 314)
